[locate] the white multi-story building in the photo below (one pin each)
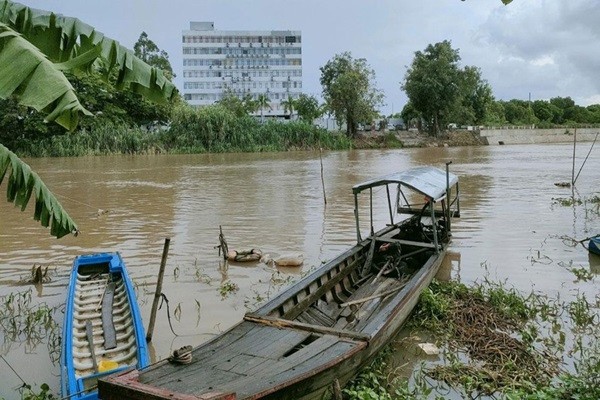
(243, 63)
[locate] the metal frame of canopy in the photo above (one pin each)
(431, 182)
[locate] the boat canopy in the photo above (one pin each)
(429, 181)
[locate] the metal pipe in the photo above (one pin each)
(371, 209)
(448, 227)
(435, 237)
(457, 200)
(358, 238)
(387, 189)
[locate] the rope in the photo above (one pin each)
(182, 355)
(13, 370)
(586, 157)
(74, 201)
(163, 298)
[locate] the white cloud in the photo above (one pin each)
(546, 47)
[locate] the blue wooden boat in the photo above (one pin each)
(594, 245)
(320, 331)
(102, 330)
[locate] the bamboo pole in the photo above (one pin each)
(322, 180)
(574, 146)
(161, 274)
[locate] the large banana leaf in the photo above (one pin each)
(71, 45)
(22, 183)
(36, 81)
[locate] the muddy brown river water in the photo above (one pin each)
(510, 229)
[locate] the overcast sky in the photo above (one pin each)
(545, 48)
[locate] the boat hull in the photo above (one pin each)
(102, 331)
(329, 324)
(274, 353)
(594, 245)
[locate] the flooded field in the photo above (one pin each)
(515, 227)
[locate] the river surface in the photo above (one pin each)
(511, 229)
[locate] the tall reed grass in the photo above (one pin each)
(212, 129)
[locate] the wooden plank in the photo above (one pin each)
(284, 323)
(327, 286)
(363, 291)
(108, 325)
(369, 260)
(215, 345)
(375, 296)
(407, 242)
(127, 386)
(306, 365)
(317, 347)
(319, 316)
(349, 258)
(242, 363)
(261, 341)
(90, 337)
(275, 346)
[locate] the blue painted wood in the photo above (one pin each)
(91, 267)
(594, 245)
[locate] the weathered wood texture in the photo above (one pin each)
(324, 327)
(108, 325)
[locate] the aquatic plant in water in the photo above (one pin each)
(497, 343)
(24, 322)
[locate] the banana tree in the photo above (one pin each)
(36, 47)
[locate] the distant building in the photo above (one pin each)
(241, 62)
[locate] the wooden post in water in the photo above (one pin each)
(573, 170)
(448, 216)
(322, 180)
(161, 274)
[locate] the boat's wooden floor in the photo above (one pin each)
(255, 357)
(89, 296)
(250, 359)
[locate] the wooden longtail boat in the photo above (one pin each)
(329, 324)
(102, 330)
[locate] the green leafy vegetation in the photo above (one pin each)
(33, 75)
(440, 92)
(32, 324)
(496, 343)
(28, 393)
(349, 91)
(23, 183)
(228, 287)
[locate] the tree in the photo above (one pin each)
(147, 51)
(234, 104)
(308, 108)
(410, 116)
(263, 102)
(35, 48)
(519, 112)
(566, 105)
(349, 90)
(288, 105)
(432, 84)
(476, 97)
(545, 111)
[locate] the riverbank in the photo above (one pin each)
(411, 139)
(483, 137)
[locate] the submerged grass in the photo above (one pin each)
(24, 322)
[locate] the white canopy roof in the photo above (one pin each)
(429, 181)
